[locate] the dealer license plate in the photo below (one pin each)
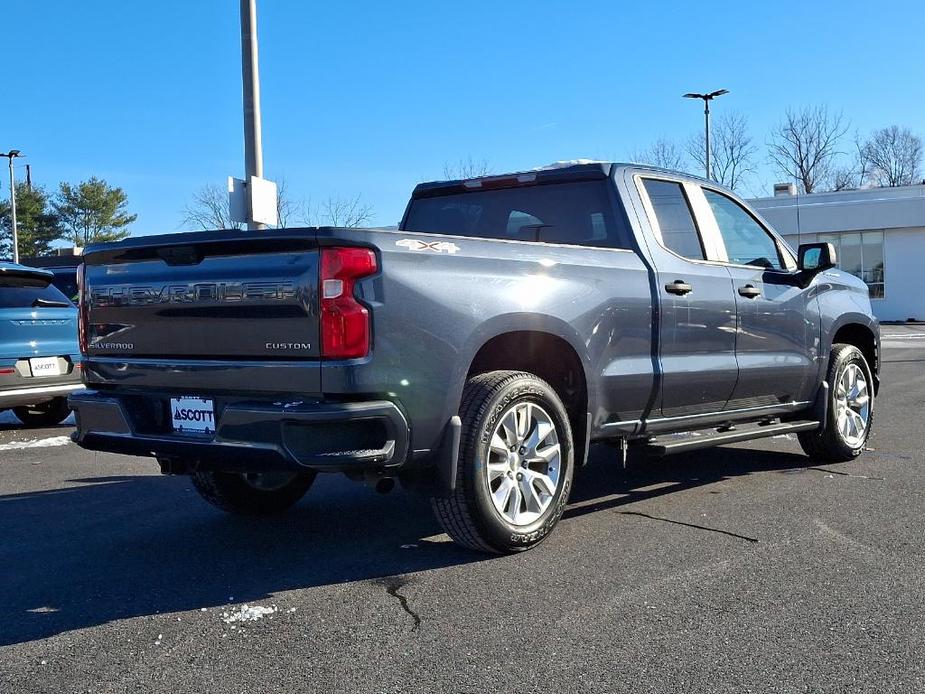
(192, 415)
(45, 366)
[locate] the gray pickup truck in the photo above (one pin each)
(475, 353)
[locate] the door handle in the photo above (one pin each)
(750, 291)
(679, 287)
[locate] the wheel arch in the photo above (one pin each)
(862, 336)
(552, 358)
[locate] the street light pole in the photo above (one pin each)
(707, 98)
(11, 155)
(706, 129)
(253, 149)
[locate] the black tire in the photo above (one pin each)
(48, 414)
(233, 493)
(469, 516)
(828, 444)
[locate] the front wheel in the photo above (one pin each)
(48, 414)
(515, 467)
(252, 494)
(850, 412)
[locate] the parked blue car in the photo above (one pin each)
(39, 356)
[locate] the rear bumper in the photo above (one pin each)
(36, 395)
(254, 436)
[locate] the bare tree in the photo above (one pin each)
(466, 168)
(287, 210)
(732, 152)
(845, 177)
(805, 146)
(662, 153)
(339, 211)
(851, 174)
(893, 157)
(209, 209)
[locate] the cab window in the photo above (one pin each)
(675, 221)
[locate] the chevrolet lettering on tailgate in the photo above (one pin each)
(200, 292)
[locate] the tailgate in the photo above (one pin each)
(37, 332)
(205, 296)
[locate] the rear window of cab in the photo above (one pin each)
(578, 213)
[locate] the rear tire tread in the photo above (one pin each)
(47, 414)
(455, 513)
(230, 493)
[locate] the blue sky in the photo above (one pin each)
(371, 97)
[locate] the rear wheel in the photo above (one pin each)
(48, 414)
(515, 467)
(850, 412)
(252, 494)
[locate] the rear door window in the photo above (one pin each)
(26, 292)
(675, 221)
(579, 213)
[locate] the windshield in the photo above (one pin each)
(26, 292)
(575, 213)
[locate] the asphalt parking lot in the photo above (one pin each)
(741, 569)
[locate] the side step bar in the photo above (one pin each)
(719, 437)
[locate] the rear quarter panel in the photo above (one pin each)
(435, 306)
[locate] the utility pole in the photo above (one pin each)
(253, 149)
(29, 177)
(707, 98)
(11, 155)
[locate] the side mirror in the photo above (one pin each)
(816, 257)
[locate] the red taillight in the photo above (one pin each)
(345, 329)
(82, 310)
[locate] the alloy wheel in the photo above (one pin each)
(523, 468)
(852, 405)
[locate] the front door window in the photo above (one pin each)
(747, 242)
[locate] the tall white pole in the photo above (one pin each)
(253, 148)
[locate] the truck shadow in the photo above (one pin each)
(109, 548)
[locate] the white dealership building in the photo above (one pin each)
(879, 234)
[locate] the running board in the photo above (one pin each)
(740, 432)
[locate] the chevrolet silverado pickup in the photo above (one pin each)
(477, 351)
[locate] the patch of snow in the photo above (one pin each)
(247, 613)
(36, 443)
(568, 162)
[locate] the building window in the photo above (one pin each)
(861, 254)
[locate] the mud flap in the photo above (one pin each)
(448, 457)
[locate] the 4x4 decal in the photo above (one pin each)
(435, 246)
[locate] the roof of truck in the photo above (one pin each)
(557, 172)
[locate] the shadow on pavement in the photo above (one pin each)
(116, 547)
